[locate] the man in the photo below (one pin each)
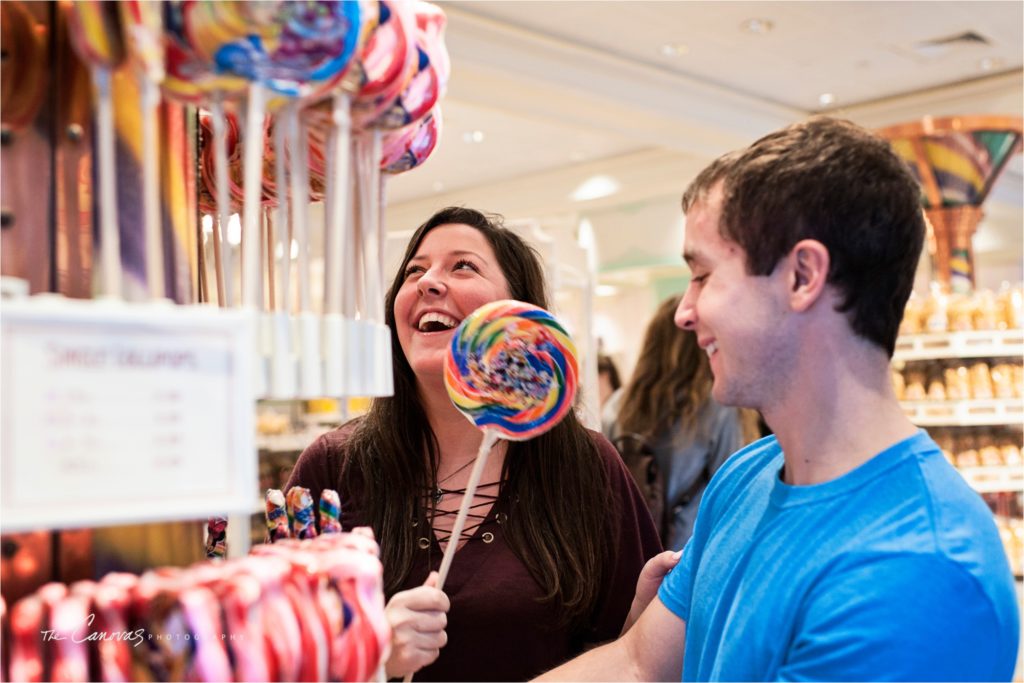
(844, 547)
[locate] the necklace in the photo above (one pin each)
(438, 491)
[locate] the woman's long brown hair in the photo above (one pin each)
(671, 381)
(556, 488)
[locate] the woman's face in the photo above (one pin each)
(453, 272)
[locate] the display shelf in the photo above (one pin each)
(976, 412)
(972, 344)
(286, 443)
(992, 479)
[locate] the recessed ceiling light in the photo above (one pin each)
(595, 187)
(606, 290)
(826, 98)
(472, 136)
(989, 63)
(437, 186)
(674, 49)
(757, 26)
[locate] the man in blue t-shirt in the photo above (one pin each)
(844, 547)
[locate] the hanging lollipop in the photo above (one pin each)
(97, 38)
(409, 147)
(511, 370)
(431, 21)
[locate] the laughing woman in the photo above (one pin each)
(558, 532)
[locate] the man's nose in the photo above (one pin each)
(686, 313)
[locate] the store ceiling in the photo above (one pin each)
(546, 95)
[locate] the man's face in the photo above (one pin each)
(739, 319)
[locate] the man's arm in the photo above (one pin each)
(652, 650)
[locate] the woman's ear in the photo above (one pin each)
(809, 263)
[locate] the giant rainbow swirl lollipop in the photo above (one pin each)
(511, 368)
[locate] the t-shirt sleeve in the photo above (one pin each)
(913, 617)
(677, 587)
(638, 541)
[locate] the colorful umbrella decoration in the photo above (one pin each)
(956, 160)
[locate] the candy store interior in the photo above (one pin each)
(204, 204)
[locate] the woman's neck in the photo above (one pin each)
(458, 439)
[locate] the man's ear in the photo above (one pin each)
(809, 263)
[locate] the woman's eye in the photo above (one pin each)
(699, 279)
(461, 264)
(412, 270)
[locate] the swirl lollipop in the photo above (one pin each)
(511, 370)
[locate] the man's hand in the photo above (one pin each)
(648, 582)
(418, 618)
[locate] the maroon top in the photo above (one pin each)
(497, 628)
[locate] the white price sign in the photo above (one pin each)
(118, 413)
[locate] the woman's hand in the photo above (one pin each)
(418, 618)
(648, 582)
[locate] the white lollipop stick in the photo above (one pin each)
(221, 246)
(281, 219)
(253, 164)
(309, 339)
(338, 159)
(342, 121)
(110, 238)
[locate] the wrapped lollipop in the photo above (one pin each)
(300, 512)
(511, 370)
(217, 538)
(277, 517)
(330, 512)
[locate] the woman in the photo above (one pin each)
(667, 403)
(549, 560)
(608, 381)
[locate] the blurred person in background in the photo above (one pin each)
(667, 410)
(608, 381)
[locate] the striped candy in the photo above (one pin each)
(277, 517)
(330, 512)
(511, 367)
(300, 512)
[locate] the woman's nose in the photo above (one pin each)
(431, 283)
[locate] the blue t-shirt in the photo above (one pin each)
(893, 571)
